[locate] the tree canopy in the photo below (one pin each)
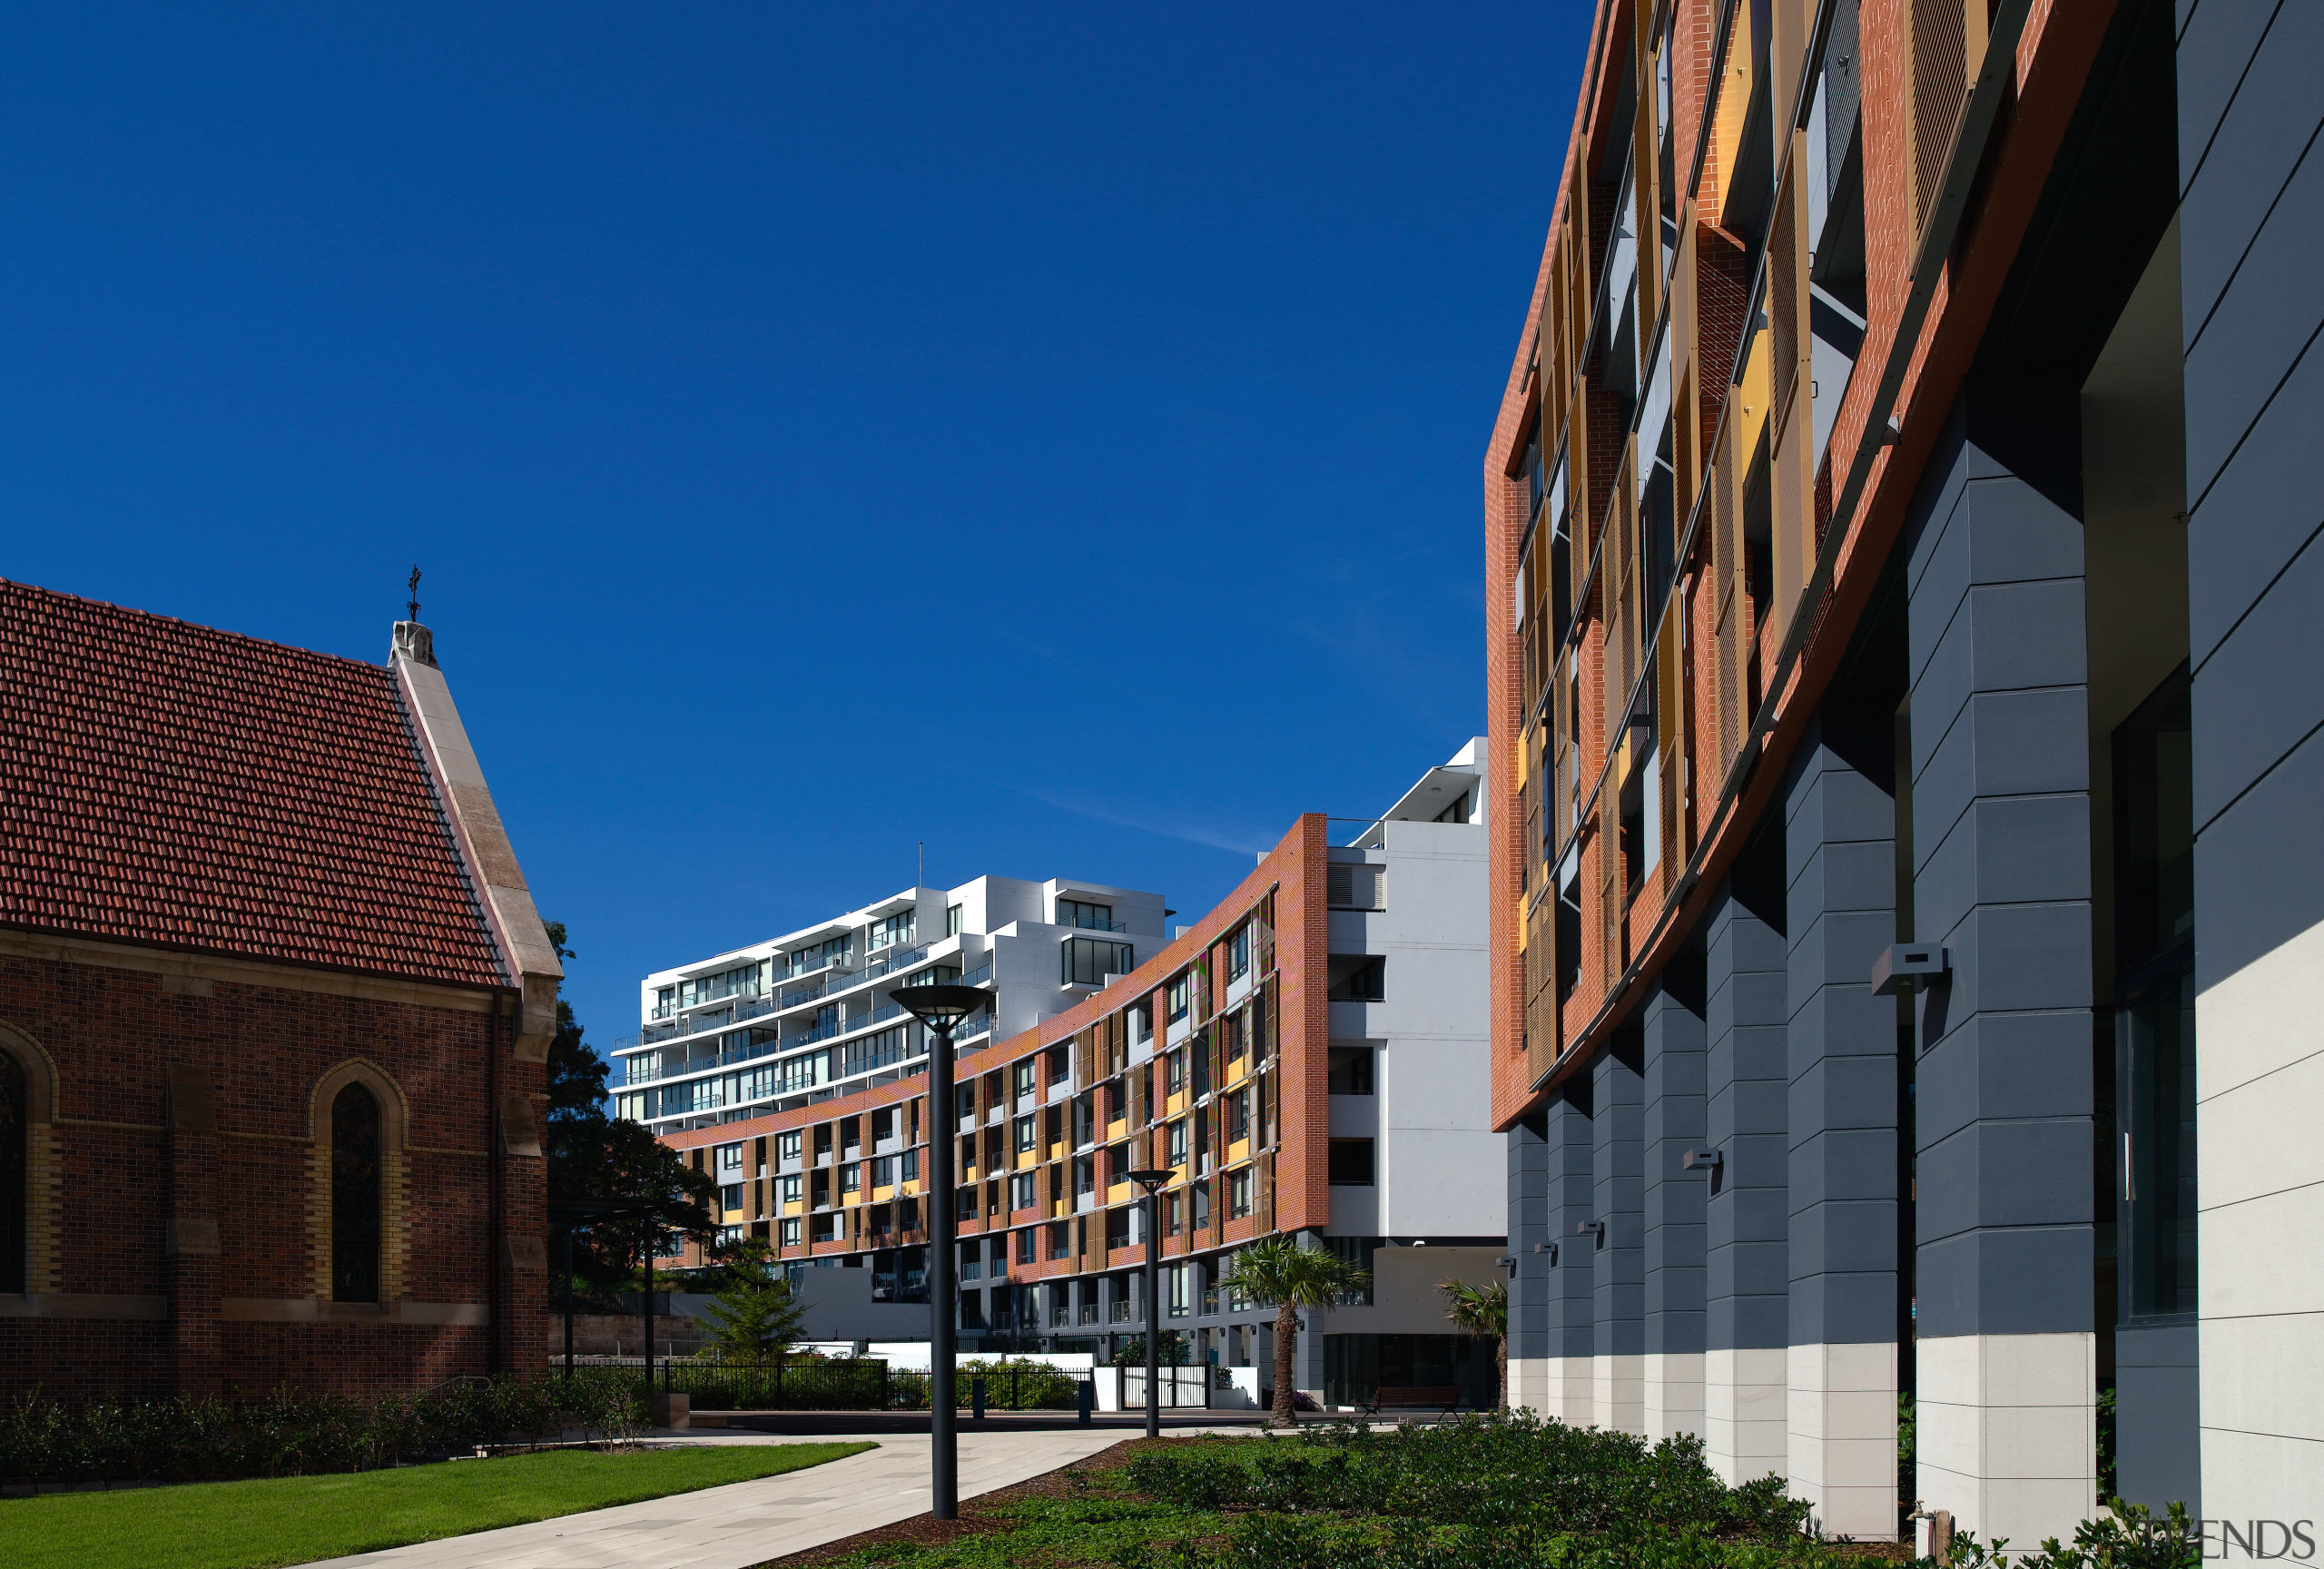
(594, 1156)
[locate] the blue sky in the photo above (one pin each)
(1049, 433)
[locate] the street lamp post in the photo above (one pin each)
(941, 1008)
(1153, 1182)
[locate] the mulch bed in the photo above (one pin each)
(978, 1515)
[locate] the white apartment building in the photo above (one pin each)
(809, 1015)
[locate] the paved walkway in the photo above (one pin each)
(747, 1523)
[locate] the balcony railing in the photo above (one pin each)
(833, 981)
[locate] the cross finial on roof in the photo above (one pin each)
(413, 587)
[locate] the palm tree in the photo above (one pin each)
(1484, 1310)
(1277, 1269)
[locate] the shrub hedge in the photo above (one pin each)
(1508, 1490)
(296, 1432)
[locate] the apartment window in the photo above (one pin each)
(792, 1188)
(1176, 1275)
(730, 1158)
(1177, 1144)
(1238, 1115)
(910, 1159)
(894, 932)
(1181, 997)
(1087, 961)
(1238, 1037)
(1054, 1121)
(1024, 1246)
(1349, 1164)
(1085, 1173)
(825, 1228)
(1061, 1239)
(1023, 1075)
(1456, 813)
(1352, 886)
(972, 1261)
(790, 1233)
(1023, 1192)
(850, 1176)
(786, 1145)
(1174, 1213)
(1238, 1194)
(1358, 978)
(666, 1002)
(1176, 1078)
(730, 1196)
(1238, 954)
(1026, 1134)
(1090, 917)
(1350, 1072)
(884, 1171)
(953, 924)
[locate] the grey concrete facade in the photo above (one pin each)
(1568, 1149)
(2000, 877)
(1530, 1280)
(1747, 1223)
(2251, 189)
(1618, 1237)
(1841, 1372)
(1675, 1195)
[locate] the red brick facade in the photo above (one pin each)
(180, 1055)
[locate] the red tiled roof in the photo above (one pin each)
(168, 784)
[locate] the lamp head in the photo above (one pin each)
(1150, 1180)
(940, 1007)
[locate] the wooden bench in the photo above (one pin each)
(1438, 1398)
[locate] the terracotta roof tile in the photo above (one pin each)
(171, 783)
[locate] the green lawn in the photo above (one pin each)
(298, 1519)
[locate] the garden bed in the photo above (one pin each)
(1483, 1493)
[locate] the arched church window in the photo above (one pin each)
(355, 1196)
(15, 1135)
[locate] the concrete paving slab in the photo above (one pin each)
(747, 1523)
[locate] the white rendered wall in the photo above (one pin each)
(2260, 1077)
(1440, 1169)
(1840, 1421)
(2005, 1432)
(1747, 1398)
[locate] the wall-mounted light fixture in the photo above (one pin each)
(1909, 967)
(1702, 1160)
(1594, 1229)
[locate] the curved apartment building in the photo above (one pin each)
(1309, 1056)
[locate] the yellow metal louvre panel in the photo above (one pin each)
(1787, 285)
(1730, 603)
(1608, 912)
(1671, 743)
